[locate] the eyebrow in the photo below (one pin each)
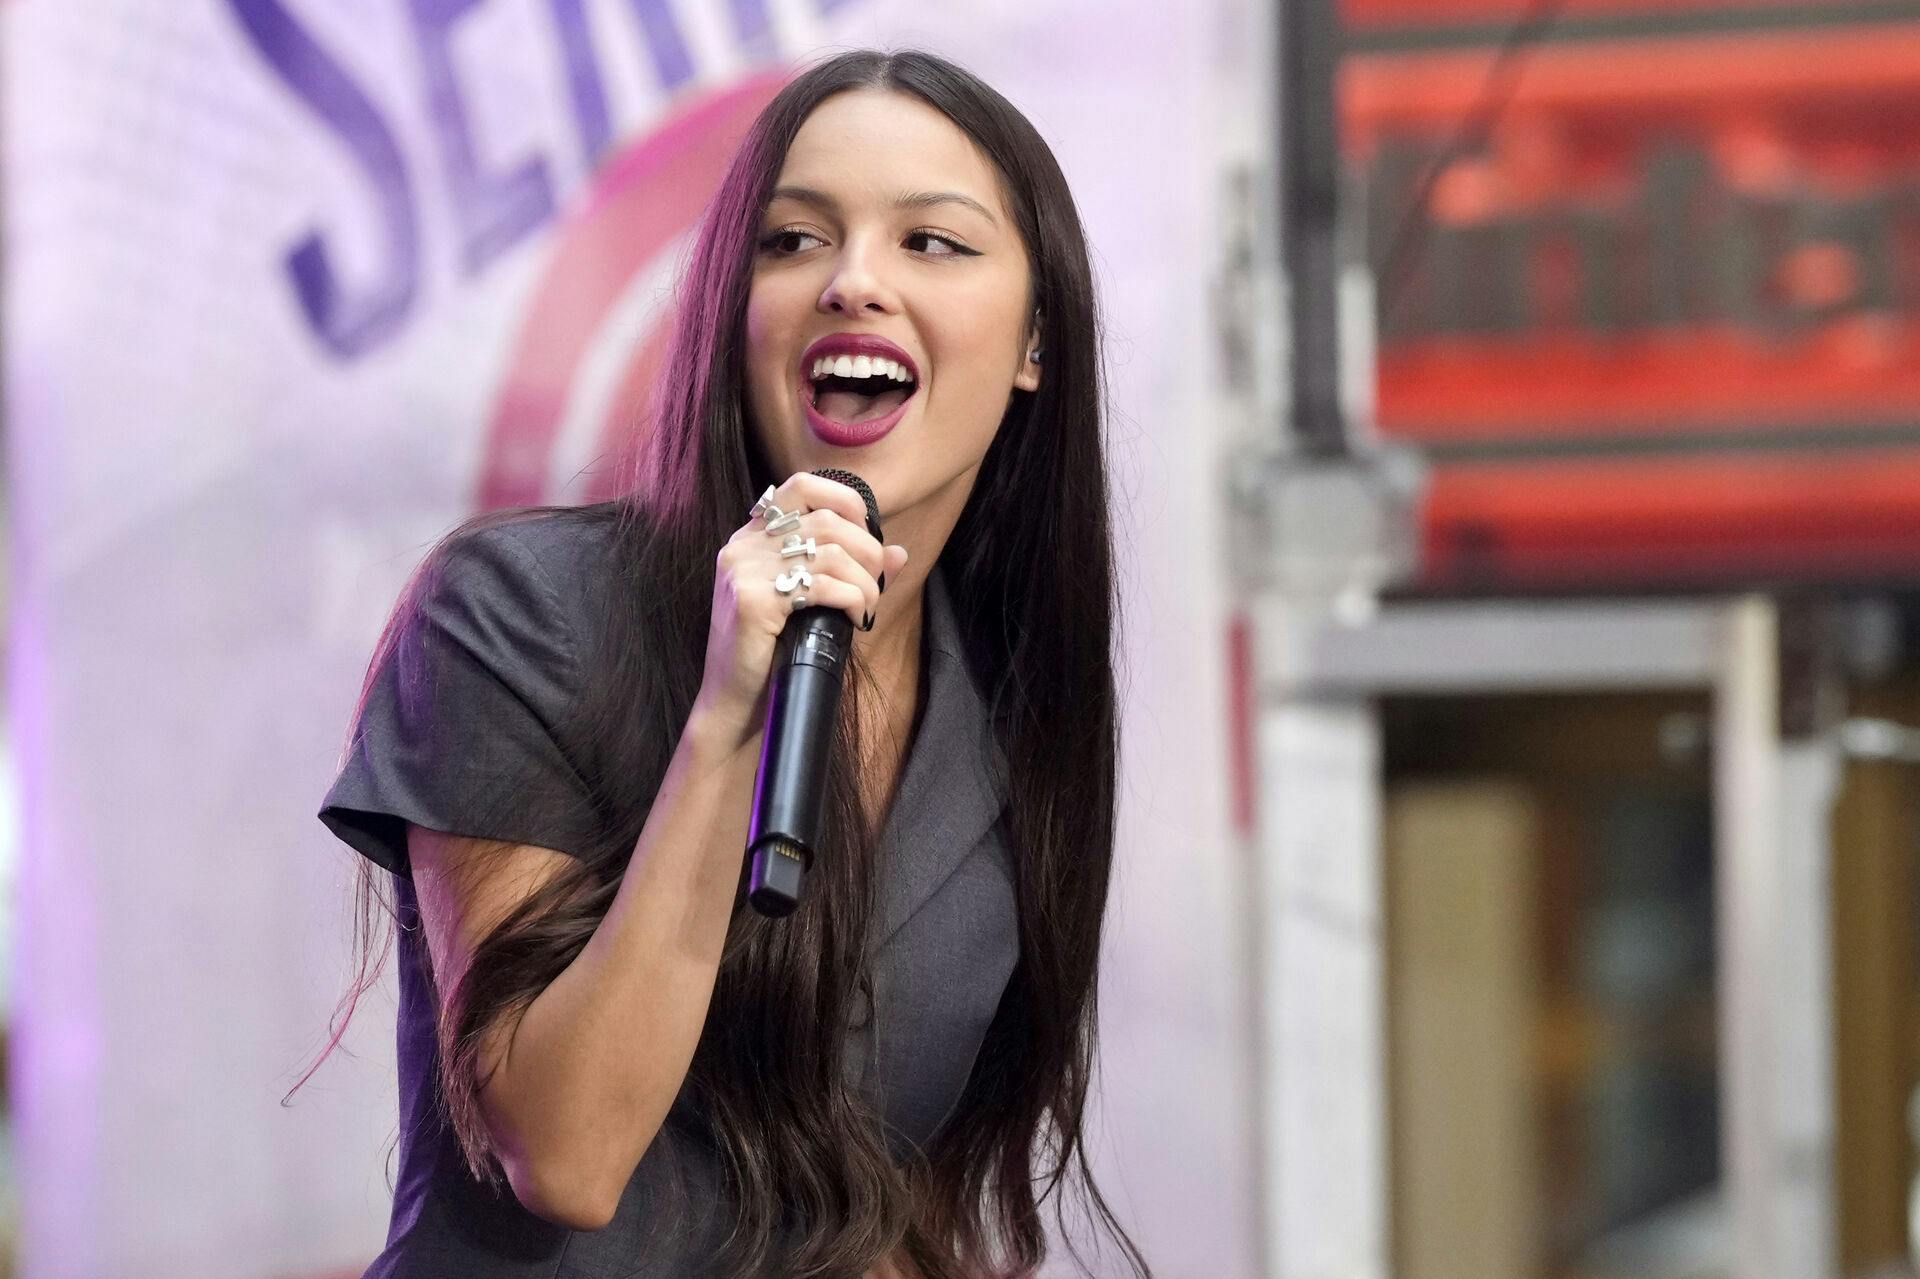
(907, 200)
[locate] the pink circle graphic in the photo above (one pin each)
(638, 204)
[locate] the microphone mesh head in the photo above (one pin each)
(859, 486)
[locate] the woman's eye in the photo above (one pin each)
(772, 243)
(955, 247)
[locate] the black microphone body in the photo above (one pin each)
(803, 707)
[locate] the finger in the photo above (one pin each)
(838, 561)
(842, 564)
(825, 590)
(817, 492)
(829, 526)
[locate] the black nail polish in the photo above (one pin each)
(883, 583)
(868, 624)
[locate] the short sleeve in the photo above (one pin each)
(457, 731)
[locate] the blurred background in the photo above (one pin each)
(1516, 424)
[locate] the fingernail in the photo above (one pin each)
(883, 583)
(868, 624)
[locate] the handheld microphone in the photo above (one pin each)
(803, 704)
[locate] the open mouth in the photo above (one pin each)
(852, 400)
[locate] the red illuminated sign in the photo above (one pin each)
(1661, 329)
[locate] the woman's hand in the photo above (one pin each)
(749, 612)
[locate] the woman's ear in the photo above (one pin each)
(1028, 378)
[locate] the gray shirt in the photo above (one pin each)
(500, 636)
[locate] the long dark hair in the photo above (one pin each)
(1029, 567)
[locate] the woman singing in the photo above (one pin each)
(609, 1064)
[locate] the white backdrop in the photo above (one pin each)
(226, 451)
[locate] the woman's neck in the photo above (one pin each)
(890, 652)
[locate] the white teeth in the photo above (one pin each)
(859, 366)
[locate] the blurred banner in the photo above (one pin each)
(293, 286)
(1648, 278)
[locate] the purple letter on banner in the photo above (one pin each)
(754, 26)
(350, 324)
(584, 85)
(662, 30)
(494, 210)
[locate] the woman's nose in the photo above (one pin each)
(855, 285)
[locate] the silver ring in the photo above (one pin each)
(795, 546)
(799, 599)
(766, 500)
(778, 523)
(795, 576)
